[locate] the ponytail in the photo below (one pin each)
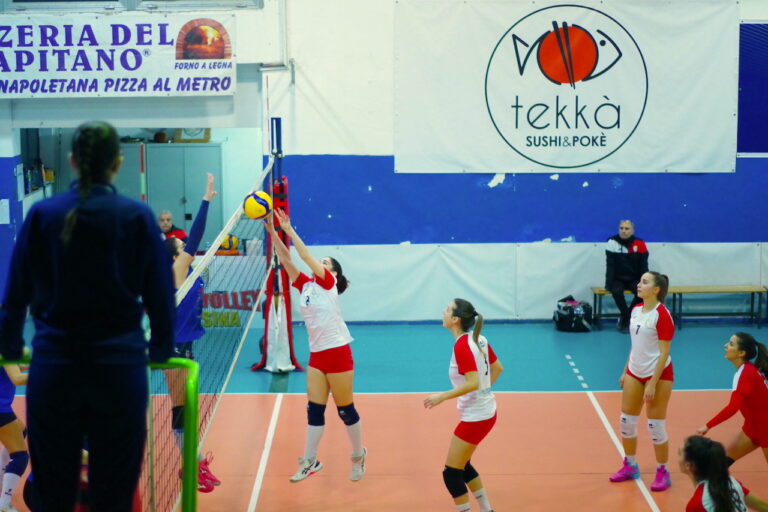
(95, 149)
(468, 317)
(662, 281)
(341, 280)
(754, 351)
(709, 463)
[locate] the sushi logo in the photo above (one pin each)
(566, 86)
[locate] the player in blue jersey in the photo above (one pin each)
(189, 328)
(14, 456)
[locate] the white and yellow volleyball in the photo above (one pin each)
(257, 205)
(230, 243)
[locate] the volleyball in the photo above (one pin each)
(257, 205)
(230, 243)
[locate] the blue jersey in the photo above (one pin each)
(7, 392)
(189, 314)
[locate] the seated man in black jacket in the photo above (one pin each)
(626, 260)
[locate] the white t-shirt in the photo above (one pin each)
(321, 310)
(646, 329)
(480, 404)
(702, 501)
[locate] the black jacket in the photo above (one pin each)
(625, 260)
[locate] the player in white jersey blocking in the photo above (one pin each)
(473, 369)
(330, 368)
(704, 461)
(647, 377)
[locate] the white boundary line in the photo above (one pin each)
(265, 454)
(617, 444)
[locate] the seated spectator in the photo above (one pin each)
(169, 230)
(626, 260)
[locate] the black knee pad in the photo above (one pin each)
(454, 481)
(315, 414)
(470, 473)
(177, 417)
(348, 414)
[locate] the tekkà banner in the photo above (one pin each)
(517, 86)
(126, 54)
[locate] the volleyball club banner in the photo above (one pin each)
(126, 54)
(620, 86)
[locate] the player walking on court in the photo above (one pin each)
(189, 328)
(14, 456)
(331, 367)
(647, 377)
(705, 462)
(750, 396)
(473, 370)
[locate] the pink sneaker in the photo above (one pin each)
(662, 482)
(205, 471)
(627, 472)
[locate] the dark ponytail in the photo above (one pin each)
(754, 351)
(709, 463)
(341, 280)
(662, 281)
(95, 148)
(468, 317)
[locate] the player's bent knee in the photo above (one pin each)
(17, 463)
(315, 414)
(470, 473)
(657, 430)
(348, 414)
(628, 426)
(454, 481)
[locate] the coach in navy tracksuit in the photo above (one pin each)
(626, 260)
(88, 263)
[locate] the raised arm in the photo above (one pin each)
(186, 257)
(283, 254)
(314, 265)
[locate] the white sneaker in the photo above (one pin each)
(306, 467)
(358, 466)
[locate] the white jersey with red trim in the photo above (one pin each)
(467, 356)
(702, 501)
(646, 329)
(321, 310)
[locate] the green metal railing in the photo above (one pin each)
(189, 459)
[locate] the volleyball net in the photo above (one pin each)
(234, 279)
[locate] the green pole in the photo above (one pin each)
(189, 472)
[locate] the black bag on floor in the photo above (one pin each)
(572, 315)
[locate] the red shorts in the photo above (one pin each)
(474, 431)
(333, 360)
(758, 434)
(667, 374)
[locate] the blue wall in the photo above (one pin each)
(8, 231)
(338, 200)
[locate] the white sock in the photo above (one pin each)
(355, 433)
(5, 458)
(314, 433)
(466, 507)
(10, 481)
(482, 500)
(631, 459)
(178, 436)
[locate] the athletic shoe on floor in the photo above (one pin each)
(358, 466)
(307, 467)
(205, 470)
(627, 472)
(662, 482)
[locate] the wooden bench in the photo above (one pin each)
(675, 298)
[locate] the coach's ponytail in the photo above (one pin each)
(95, 150)
(662, 281)
(754, 350)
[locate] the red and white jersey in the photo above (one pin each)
(702, 501)
(646, 330)
(469, 357)
(750, 396)
(321, 310)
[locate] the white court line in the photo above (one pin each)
(265, 454)
(643, 489)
